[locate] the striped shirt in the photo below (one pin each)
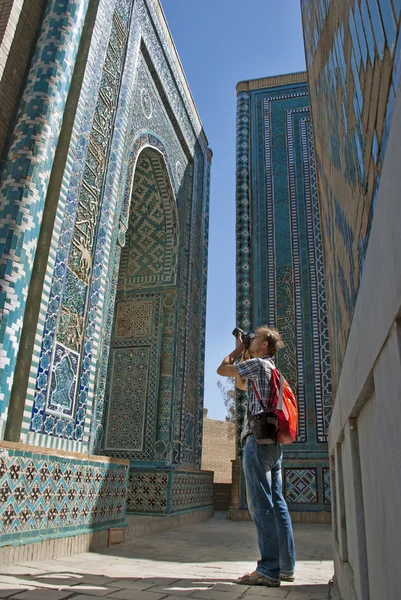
(259, 371)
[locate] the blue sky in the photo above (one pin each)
(222, 42)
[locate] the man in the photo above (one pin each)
(262, 464)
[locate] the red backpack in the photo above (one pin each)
(284, 406)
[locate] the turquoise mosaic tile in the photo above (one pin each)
(41, 495)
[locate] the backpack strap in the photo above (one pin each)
(280, 396)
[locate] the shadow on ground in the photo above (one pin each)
(231, 542)
(83, 586)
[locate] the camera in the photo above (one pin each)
(247, 336)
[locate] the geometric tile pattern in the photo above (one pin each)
(322, 366)
(348, 46)
(132, 383)
(326, 486)
(191, 490)
(301, 486)
(27, 171)
(39, 493)
(147, 491)
(167, 492)
(149, 257)
(129, 380)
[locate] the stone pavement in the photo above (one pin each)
(197, 561)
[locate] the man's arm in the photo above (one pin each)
(227, 367)
(240, 383)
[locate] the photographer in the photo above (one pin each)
(262, 460)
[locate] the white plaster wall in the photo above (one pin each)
(365, 431)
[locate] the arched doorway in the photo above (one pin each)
(140, 380)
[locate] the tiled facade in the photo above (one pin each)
(353, 54)
(117, 362)
(280, 278)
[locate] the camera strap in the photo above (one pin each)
(257, 395)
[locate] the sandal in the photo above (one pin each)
(284, 577)
(256, 578)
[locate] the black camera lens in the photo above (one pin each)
(247, 337)
(237, 331)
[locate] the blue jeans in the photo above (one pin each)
(266, 503)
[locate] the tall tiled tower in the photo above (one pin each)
(280, 278)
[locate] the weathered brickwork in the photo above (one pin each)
(218, 449)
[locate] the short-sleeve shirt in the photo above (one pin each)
(259, 371)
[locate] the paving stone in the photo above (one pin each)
(206, 557)
(139, 584)
(40, 594)
(9, 589)
(91, 590)
(258, 592)
(216, 595)
(177, 591)
(308, 592)
(135, 595)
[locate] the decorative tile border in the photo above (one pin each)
(326, 486)
(43, 492)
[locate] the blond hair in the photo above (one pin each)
(272, 337)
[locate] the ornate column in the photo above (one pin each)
(243, 257)
(27, 172)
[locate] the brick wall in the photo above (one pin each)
(19, 24)
(218, 449)
(221, 496)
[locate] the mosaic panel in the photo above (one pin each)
(134, 319)
(166, 381)
(132, 387)
(129, 379)
(326, 486)
(39, 493)
(119, 237)
(357, 59)
(149, 258)
(63, 381)
(25, 178)
(83, 207)
(191, 490)
(301, 486)
(147, 491)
